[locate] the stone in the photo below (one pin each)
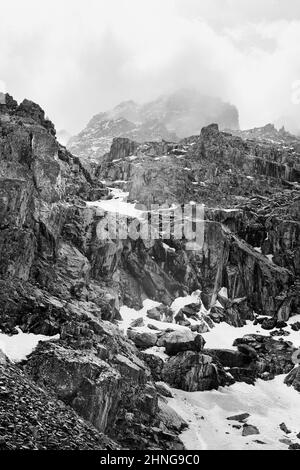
(217, 314)
(190, 311)
(193, 371)
(240, 418)
(152, 327)
(137, 323)
(295, 326)
(154, 314)
(183, 340)
(142, 340)
(281, 324)
(247, 350)
(249, 430)
(294, 446)
(229, 358)
(163, 389)
(269, 357)
(200, 328)
(285, 441)
(269, 323)
(284, 428)
(180, 319)
(170, 418)
(280, 333)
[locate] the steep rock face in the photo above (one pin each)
(84, 381)
(284, 241)
(260, 260)
(213, 168)
(250, 275)
(181, 341)
(57, 276)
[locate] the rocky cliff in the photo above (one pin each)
(58, 277)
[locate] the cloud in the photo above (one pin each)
(78, 58)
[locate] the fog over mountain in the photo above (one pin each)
(150, 263)
(169, 117)
(87, 57)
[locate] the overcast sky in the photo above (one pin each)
(79, 57)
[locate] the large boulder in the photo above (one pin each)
(269, 323)
(193, 371)
(154, 314)
(229, 358)
(85, 382)
(182, 340)
(142, 339)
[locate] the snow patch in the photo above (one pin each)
(269, 403)
(223, 292)
(181, 302)
(224, 335)
(118, 204)
(18, 347)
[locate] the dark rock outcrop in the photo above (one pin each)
(269, 357)
(293, 378)
(194, 371)
(56, 276)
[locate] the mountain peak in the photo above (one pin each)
(170, 117)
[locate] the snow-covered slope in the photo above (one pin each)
(268, 403)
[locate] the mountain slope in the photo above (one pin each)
(130, 312)
(173, 116)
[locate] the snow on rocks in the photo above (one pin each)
(181, 302)
(118, 205)
(222, 336)
(264, 405)
(18, 347)
(129, 314)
